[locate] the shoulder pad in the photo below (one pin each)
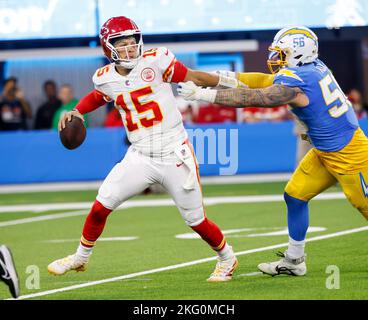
(102, 75)
(291, 73)
(156, 52)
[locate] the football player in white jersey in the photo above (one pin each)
(138, 82)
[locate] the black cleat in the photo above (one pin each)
(8, 273)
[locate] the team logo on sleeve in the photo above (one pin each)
(148, 74)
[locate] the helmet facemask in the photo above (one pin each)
(126, 55)
(276, 59)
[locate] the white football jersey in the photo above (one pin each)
(146, 101)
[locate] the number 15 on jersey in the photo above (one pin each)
(150, 110)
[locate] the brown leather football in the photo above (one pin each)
(74, 133)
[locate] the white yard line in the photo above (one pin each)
(43, 218)
(134, 203)
(99, 239)
(183, 265)
(159, 202)
(250, 274)
(94, 185)
(49, 187)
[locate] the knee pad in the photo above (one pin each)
(106, 197)
(192, 217)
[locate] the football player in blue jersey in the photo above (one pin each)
(340, 148)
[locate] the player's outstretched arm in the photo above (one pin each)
(230, 79)
(205, 79)
(201, 78)
(256, 79)
(272, 96)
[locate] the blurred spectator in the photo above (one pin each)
(188, 109)
(257, 114)
(14, 109)
(227, 114)
(356, 99)
(213, 113)
(66, 95)
(113, 117)
(46, 111)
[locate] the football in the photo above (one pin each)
(74, 133)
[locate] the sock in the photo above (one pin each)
(298, 217)
(226, 253)
(93, 227)
(84, 252)
(296, 248)
(211, 233)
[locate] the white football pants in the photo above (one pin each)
(177, 173)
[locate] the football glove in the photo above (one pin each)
(190, 91)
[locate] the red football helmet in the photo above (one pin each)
(116, 28)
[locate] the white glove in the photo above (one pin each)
(190, 91)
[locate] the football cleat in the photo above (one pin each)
(8, 273)
(224, 270)
(62, 266)
(287, 265)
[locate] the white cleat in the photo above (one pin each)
(61, 266)
(287, 265)
(224, 270)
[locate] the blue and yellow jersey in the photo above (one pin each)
(329, 116)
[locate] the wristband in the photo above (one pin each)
(226, 73)
(228, 82)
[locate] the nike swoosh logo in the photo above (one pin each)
(364, 185)
(179, 164)
(6, 274)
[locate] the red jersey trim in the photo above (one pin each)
(168, 70)
(90, 102)
(180, 72)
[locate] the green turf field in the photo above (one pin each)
(154, 247)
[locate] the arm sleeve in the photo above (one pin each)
(91, 101)
(256, 80)
(172, 69)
